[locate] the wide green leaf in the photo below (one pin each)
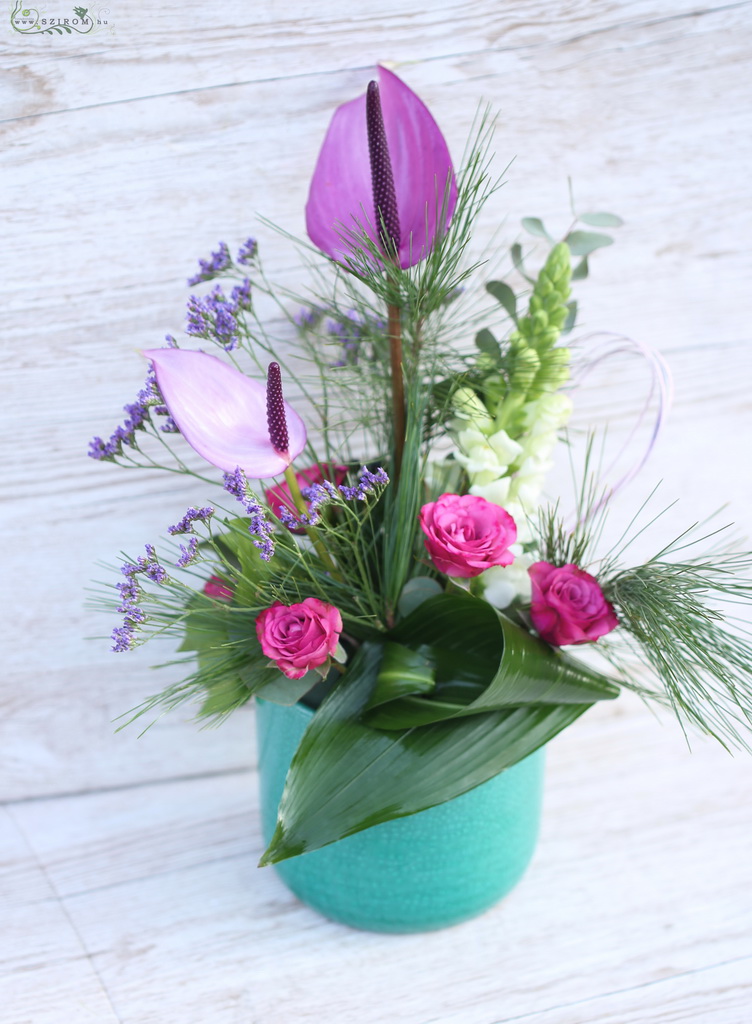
(346, 777)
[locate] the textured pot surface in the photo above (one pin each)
(425, 871)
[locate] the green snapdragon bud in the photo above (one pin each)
(548, 304)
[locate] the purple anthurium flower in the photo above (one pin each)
(222, 414)
(347, 180)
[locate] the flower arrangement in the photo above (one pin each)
(380, 550)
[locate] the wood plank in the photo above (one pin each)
(181, 188)
(132, 59)
(641, 878)
(714, 995)
(45, 974)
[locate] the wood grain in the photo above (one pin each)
(129, 887)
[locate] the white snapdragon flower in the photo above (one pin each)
(468, 408)
(502, 584)
(549, 412)
(497, 491)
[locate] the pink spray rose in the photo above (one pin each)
(299, 637)
(216, 587)
(568, 605)
(279, 497)
(467, 535)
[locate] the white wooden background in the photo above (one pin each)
(129, 891)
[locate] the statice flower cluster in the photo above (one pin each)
(192, 515)
(248, 251)
(138, 415)
(324, 493)
(130, 596)
(350, 332)
(317, 496)
(215, 316)
(260, 528)
(188, 553)
(218, 263)
(368, 483)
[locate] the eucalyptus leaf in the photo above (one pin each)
(418, 589)
(504, 294)
(346, 777)
(486, 342)
(582, 270)
(571, 319)
(582, 243)
(601, 220)
(536, 227)
(281, 690)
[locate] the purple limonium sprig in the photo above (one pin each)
(123, 637)
(241, 295)
(149, 400)
(260, 528)
(189, 553)
(368, 483)
(216, 264)
(148, 565)
(214, 316)
(248, 251)
(317, 496)
(192, 515)
(324, 493)
(307, 317)
(349, 331)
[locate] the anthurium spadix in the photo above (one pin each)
(228, 418)
(349, 191)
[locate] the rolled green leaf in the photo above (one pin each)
(484, 662)
(403, 671)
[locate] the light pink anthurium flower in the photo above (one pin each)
(341, 198)
(223, 414)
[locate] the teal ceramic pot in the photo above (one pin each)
(429, 870)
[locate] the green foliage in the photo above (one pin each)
(536, 227)
(583, 243)
(504, 295)
(673, 613)
(346, 776)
